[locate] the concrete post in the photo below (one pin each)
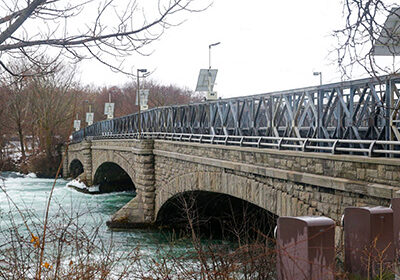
(368, 240)
(305, 248)
(396, 232)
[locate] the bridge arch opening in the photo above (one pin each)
(75, 168)
(110, 177)
(216, 215)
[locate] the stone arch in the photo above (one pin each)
(226, 205)
(73, 157)
(122, 159)
(110, 176)
(248, 189)
(76, 168)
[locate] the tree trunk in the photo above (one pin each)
(49, 144)
(33, 139)
(21, 141)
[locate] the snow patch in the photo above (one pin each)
(95, 188)
(30, 175)
(77, 184)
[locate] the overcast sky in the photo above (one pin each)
(265, 46)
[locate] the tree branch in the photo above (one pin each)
(20, 20)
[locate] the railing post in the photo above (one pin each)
(371, 149)
(304, 147)
(280, 143)
(388, 110)
(320, 108)
(259, 142)
(333, 151)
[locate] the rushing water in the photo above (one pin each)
(23, 201)
(31, 194)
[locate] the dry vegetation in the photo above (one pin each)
(38, 111)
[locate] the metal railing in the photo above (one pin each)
(355, 117)
(371, 148)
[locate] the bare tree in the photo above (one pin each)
(52, 103)
(106, 30)
(365, 33)
(159, 95)
(164, 95)
(15, 102)
(3, 125)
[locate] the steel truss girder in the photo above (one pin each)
(367, 109)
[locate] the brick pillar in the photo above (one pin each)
(139, 212)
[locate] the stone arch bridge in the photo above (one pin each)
(309, 151)
(280, 181)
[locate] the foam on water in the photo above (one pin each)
(77, 184)
(31, 175)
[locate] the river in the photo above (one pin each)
(31, 194)
(25, 197)
(80, 246)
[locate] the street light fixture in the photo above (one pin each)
(209, 53)
(138, 98)
(320, 76)
(211, 95)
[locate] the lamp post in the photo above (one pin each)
(320, 76)
(83, 117)
(76, 122)
(209, 53)
(210, 93)
(138, 98)
(90, 115)
(109, 107)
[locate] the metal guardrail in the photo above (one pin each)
(371, 148)
(349, 117)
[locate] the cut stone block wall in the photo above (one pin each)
(286, 183)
